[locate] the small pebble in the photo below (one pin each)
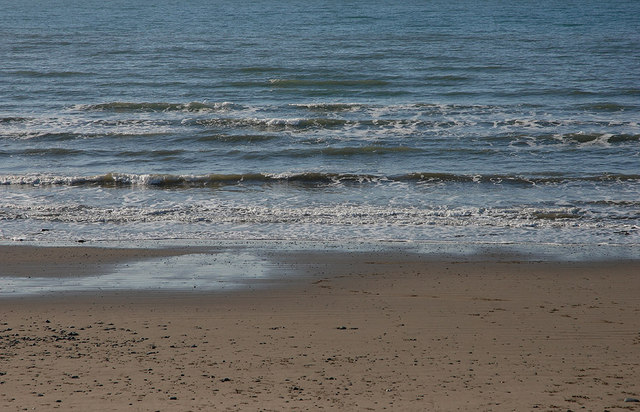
(631, 400)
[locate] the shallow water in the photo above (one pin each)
(420, 121)
(201, 272)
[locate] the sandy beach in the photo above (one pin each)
(354, 331)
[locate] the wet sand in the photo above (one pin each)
(355, 331)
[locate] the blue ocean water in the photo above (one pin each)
(480, 122)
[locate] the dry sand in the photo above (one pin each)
(359, 331)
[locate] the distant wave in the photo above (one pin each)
(330, 107)
(524, 132)
(54, 74)
(310, 178)
(158, 106)
(304, 123)
(606, 107)
(356, 150)
(51, 151)
(275, 123)
(261, 69)
(229, 122)
(373, 150)
(604, 137)
(574, 138)
(326, 82)
(517, 179)
(13, 119)
(223, 137)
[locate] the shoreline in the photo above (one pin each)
(336, 330)
(38, 269)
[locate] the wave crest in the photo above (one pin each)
(308, 178)
(159, 107)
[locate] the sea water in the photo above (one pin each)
(414, 121)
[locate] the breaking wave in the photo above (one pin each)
(310, 178)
